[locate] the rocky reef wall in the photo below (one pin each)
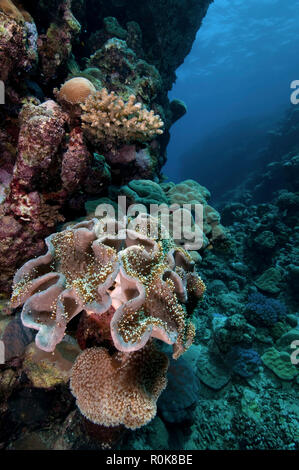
(51, 162)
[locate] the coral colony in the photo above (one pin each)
(105, 319)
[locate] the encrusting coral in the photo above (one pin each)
(109, 120)
(129, 283)
(16, 58)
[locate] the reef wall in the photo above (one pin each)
(123, 53)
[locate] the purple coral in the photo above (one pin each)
(264, 311)
(242, 361)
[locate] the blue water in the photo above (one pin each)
(241, 65)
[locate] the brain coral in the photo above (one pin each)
(122, 389)
(75, 90)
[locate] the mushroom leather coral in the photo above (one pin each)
(73, 275)
(147, 282)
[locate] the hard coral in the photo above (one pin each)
(41, 133)
(75, 162)
(75, 90)
(110, 121)
(119, 389)
(11, 10)
(130, 74)
(55, 46)
(191, 192)
(264, 311)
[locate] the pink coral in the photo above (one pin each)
(15, 57)
(75, 161)
(145, 284)
(41, 133)
(72, 276)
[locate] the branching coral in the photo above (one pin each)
(109, 120)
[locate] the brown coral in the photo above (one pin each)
(122, 389)
(109, 120)
(75, 90)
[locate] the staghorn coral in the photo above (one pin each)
(119, 389)
(110, 121)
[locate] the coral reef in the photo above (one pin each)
(121, 314)
(130, 293)
(191, 192)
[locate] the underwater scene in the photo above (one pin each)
(149, 216)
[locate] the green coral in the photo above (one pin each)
(269, 281)
(279, 362)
